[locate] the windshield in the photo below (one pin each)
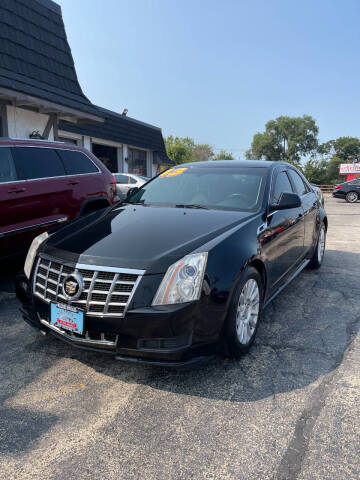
(227, 188)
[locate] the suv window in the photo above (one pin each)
(76, 163)
(34, 162)
(7, 167)
(124, 179)
(282, 185)
(300, 187)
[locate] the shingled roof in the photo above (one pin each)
(35, 57)
(123, 129)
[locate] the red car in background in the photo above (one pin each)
(43, 184)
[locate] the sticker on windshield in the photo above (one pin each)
(173, 172)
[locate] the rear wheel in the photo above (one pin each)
(352, 197)
(319, 253)
(244, 313)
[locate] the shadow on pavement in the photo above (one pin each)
(303, 336)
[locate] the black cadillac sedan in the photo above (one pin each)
(183, 267)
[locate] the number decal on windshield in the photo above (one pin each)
(173, 172)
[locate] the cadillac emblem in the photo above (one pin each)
(72, 286)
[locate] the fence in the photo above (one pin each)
(326, 188)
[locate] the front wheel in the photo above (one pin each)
(244, 312)
(319, 253)
(352, 197)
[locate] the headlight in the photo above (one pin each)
(182, 281)
(34, 247)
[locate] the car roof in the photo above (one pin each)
(234, 164)
(38, 143)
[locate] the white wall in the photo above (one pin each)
(22, 122)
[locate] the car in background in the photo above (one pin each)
(181, 268)
(125, 181)
(349, 191)
(44, 184)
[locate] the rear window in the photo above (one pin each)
(7, 168)
(76, 163)
(300, 186)
(124, 179)
(34, 162)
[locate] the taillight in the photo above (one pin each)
(113, 184)
(337, 187)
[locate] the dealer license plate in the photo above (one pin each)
(67, 317)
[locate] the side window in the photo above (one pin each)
(34, 162)
(132, 180)
(7, 167)
(76, 163)
(300, 187)
(123, 179)
(282, 185)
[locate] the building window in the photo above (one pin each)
(137, 161)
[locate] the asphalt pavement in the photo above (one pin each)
(288, 410)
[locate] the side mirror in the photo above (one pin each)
(132, 192)
(287, 201)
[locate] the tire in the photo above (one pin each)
(352, 197)
(318, 256)
(242, 320)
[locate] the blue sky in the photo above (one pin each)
(218, 70)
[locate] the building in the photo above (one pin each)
(40, 96)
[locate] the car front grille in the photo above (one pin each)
(107, 291)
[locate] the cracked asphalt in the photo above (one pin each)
(288, 410)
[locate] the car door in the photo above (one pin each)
(12, 197)
(47, 187)
(83, 176)
(123, 184)
(282, 238)
(309, 202)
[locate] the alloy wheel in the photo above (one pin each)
(352, 197)
(247, 314)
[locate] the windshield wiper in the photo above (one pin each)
(192, 205)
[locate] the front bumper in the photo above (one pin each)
(170, 336)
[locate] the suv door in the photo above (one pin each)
(83, 177)
(48, 190)
(309, 202)
(13, 219)
(283, 238)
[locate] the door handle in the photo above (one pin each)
(17, 190)
(73, 182)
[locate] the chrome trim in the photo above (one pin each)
(87, 340)
(30, 227)
(102, 268)
(43, 291)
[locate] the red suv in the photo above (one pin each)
(46, 183)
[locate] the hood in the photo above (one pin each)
(142, 237)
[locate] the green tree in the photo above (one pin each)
(285, 139)
(179, 150)
(341, 150)
(224, 155)
(316, 171)
(202, 152)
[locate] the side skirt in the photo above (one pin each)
(295, 274)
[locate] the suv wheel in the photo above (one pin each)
(244, 312)
(352, 197)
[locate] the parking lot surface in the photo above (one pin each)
(288, 410)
